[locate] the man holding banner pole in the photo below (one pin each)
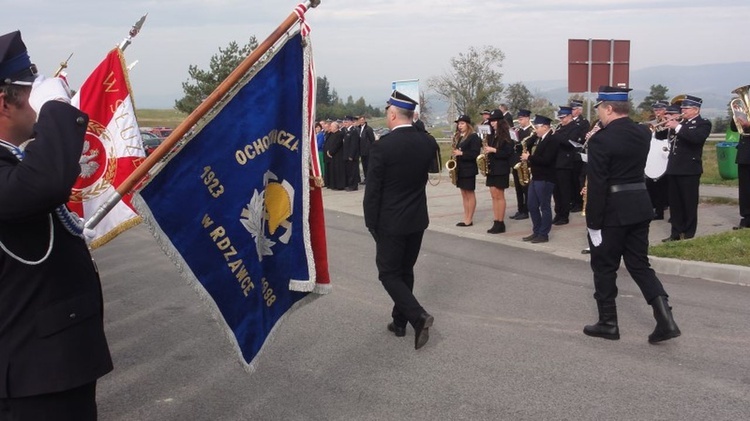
(395, 208)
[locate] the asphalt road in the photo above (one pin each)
(506, 345)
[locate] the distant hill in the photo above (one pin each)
(712, 82)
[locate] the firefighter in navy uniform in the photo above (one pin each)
(618, 214)
(52, 343)
(743, 171)
(567, 153)
(685, 166)
(582, 125)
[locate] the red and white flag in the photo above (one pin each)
(112, 149)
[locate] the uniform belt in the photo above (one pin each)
(627, 187)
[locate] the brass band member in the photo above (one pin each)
(583, 125)
(525, 132)
(566, 155)
(467, 150)
(657, 189)
(499, 150)
(685, 166)
(743, 170)
(618, 214)
(542, 163)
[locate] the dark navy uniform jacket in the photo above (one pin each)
(51, 320)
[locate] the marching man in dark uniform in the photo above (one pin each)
(618, 214)
(52, 343)
(395, 207)
(685, 166)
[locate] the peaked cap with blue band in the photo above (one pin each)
(15, 64)
(691, 101)
(611, 93)
(523, 113)
(662, 103)
(563, 111)
(575, 103)
(400, 100)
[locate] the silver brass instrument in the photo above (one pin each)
(739, 108)
(451, 164)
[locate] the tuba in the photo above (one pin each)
(739, 108)
(451, 164)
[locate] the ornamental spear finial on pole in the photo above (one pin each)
(133, 32)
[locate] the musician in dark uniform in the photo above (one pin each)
(52, 343)
(566, 155)
(468, 147)
(658, 189)
(395, 209)
(498, 152)
(506, 114)
(618, 214)
(685, 166)
(485, 116)
(582, 125)
(541, 160)
(743, 171)
(524, 132)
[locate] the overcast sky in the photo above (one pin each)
(363, 45)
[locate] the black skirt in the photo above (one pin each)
(499, 181)
(467, 183)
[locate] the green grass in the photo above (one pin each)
(159, 118)
(731, 248)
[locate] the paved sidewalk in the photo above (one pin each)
(444, 202)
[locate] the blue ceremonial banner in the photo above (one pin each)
(230, 207)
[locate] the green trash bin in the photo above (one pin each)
(726, 154)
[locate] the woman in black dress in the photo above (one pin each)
(499, 151)
(468, 146)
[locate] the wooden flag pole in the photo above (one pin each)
(140, 173)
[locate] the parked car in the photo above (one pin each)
(162, 132)
(150, 141)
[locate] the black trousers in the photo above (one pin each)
(657, 192)
(629, 243)
(395, 259)
(683, 204)
(352, 173)
(522, 193)
(365, 161)
(578, 177)
(563, 193)
(743, 176)
(77, 404)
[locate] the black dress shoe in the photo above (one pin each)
(422, 329)
(561, 221)
(670, 238)
(529, 237)
(397, 330)
(586, 251)
(522, 216)
(576, 208)
(463, 224)
(658, 217)
(540, 239)
(556, 218)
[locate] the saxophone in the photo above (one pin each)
(524, 172)
(482, 162)
(451, 164)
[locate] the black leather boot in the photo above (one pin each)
(497, 227)
(666, 328)
(606, 327)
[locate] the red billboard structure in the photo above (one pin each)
(596, 62)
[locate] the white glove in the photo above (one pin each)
(595, 236)
(45, 89)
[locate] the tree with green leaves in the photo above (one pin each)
(656, 93)
(474, 80)
(518, 97)
(203, 82)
